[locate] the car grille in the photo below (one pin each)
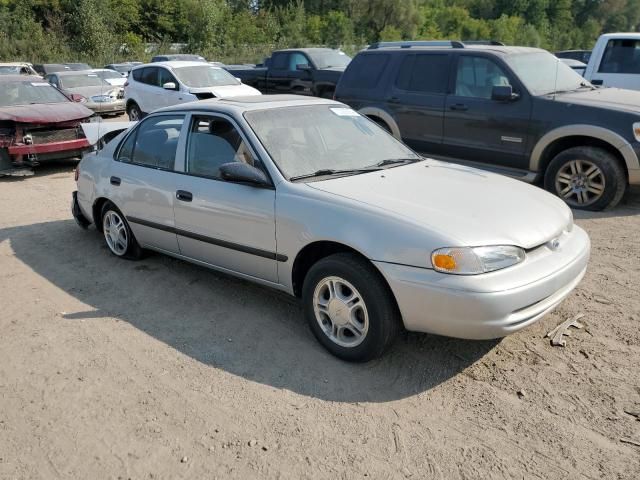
(39, 137)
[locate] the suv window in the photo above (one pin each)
(621, 56)
(150, 76)
(364, 71)
(165, 76)
(153, 143)
(424, 73)
(279, 61)
(476, 77)
(214, 141)
(295, 59)
(137, 74)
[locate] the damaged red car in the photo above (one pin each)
(37, 123)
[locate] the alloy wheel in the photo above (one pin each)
(580, 183)
(115, 233)
(340, 311)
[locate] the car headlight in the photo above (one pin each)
(475, 260)
(636, 131)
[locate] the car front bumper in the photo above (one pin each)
(491, 305)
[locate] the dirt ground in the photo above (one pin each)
(161, 369)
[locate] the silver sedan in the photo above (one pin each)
(307, 196)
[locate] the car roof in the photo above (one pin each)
(497, 49)
(14, 64)
(175, 64)
(21, 78)
(69, 73)
(622, 35)
(248, 103)
(308, 50)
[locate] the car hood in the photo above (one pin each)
(226, 91)
(470, 206)
(615, 98)
(45, 113)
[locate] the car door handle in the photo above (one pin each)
(460, 107)
(393, 99)
(184, 195)
(115, 181)
(597, 82)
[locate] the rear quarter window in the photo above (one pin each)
(365, 71)
(137, 74)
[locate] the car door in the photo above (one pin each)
(417, 98)
(227, 225)
(291, 72)
(619, 65)
(169, 97)
(150, 94)
(479, 129)
(143, 181)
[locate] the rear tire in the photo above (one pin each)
(118, 235)
(588, 178)
(350, 308)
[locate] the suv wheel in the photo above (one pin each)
(588, 178)
(134, 112)
(349, 307)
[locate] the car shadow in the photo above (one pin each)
(242, 328)
(46, 169)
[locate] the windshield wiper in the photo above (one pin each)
(326, 172)
(396, 161)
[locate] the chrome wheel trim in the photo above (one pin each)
(340, 312)
(115, 233)
(580, 183)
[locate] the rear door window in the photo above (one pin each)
(365, 71)
(150, 76)
(153, 143)
(621, 56)
(424, 73)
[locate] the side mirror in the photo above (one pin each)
(169, 86)
(503, 93)
(303, 67)
(243, 173)
(239, 79)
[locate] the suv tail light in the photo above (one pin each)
(126, 84)
(76, 173)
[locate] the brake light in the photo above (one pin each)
(76, 173)
(126, 84)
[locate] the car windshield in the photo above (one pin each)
(330, 58)
(309, 139)
(108, 74)
(27, 93)
(543, 73)
(121, 68)
(83, 80)
(205, 76)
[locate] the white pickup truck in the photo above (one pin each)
(615, 61)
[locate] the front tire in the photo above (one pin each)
(587, 178)
(118, 235)
(349, 307)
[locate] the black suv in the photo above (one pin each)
(517, 111)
